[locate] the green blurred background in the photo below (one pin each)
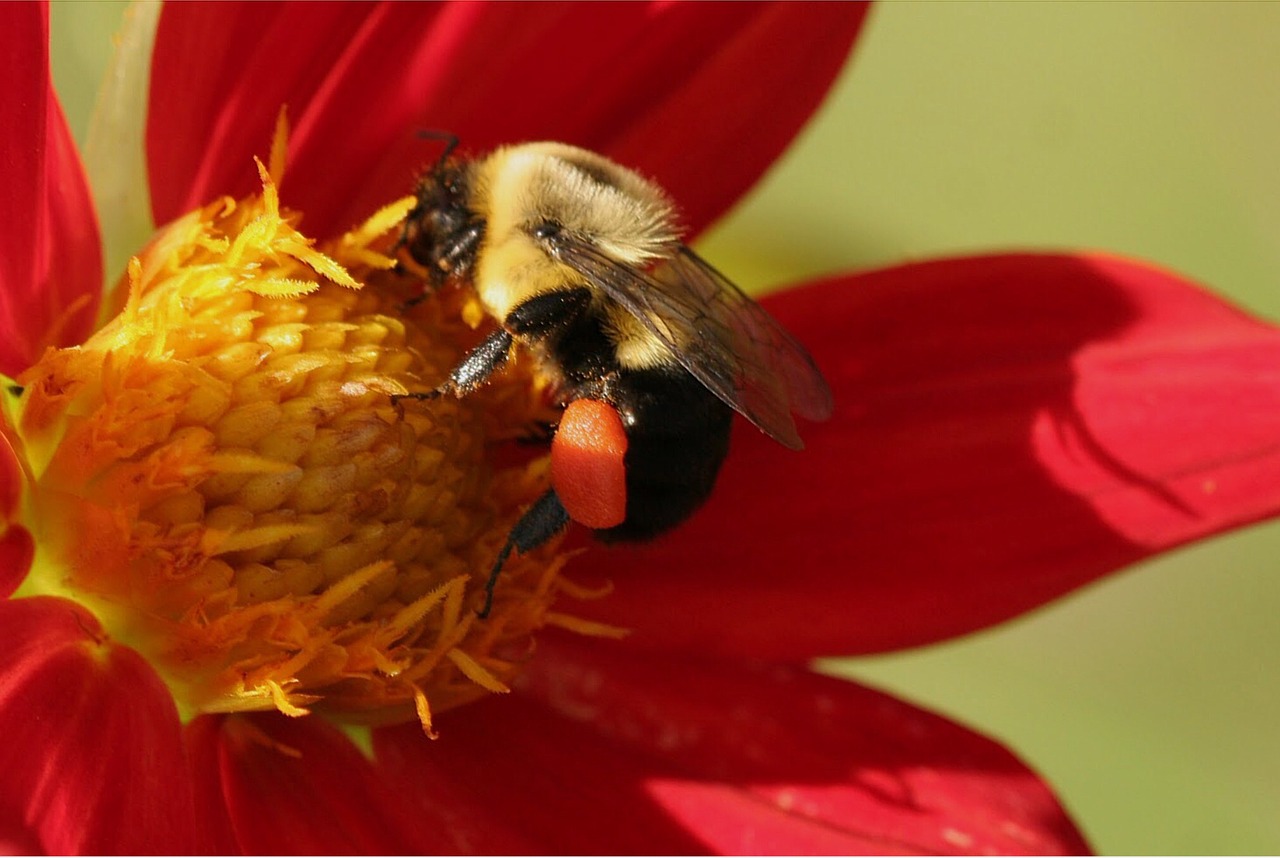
(1147, 129)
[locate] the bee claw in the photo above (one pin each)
(538, 434)
(421, 396)
(406, 306)
(397, 399)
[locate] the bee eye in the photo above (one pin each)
(547, 229)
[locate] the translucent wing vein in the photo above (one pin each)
(722, 337)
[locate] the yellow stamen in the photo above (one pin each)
(220, 475)
(584, 627)
(279, 146)
(476, 672)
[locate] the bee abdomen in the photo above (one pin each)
(678, 435)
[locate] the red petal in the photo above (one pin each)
(608, 752)
(294, 786)
(17, 550)
(92, 756)
(202, 740)
(50, 264)
(669, 88)
(1007, 429)
(12, 478)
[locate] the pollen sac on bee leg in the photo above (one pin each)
(587, 464)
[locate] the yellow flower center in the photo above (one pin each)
(221, 475)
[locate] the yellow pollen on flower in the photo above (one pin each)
(221, 475)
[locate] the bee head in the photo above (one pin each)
(441, 233)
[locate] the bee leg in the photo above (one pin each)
(406, 306)
(549, 313)
(420, 396)
(455, 255)
(480, 363)
(538, 434)
(471, 372)
(543, 520)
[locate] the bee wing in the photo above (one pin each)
(722, 337)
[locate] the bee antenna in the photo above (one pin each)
(450, 143)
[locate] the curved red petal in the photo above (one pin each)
(669, 88)
(92, 758)
(602, 750)
(739, 111)
(202, 739)
(220, 73)
(50, 260)
(1007, 429)
(11, 478)
(297, 786)
(17, 550)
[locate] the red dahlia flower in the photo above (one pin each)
(221, 541)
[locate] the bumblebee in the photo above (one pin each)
(579, 261)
